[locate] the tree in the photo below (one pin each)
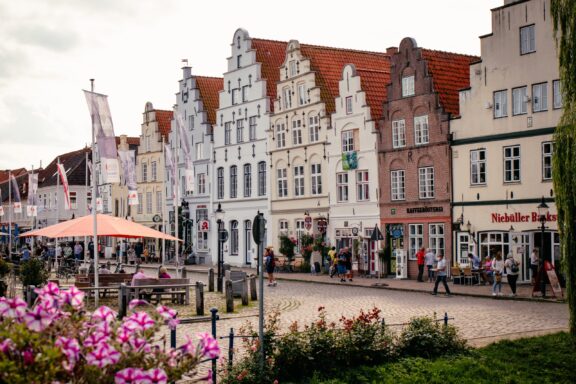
(564, 161)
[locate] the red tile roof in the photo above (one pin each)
(270, 54)
(75, 165)
(374, 83)
(209, 88)
(16, 172)
(164, 119)
(450, 73)
(328, 63)
(129, 140)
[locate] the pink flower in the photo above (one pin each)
(50, 289)
(71, 349)
(189, 347)
(6, 346)
(138, 343)
(73, 297)
(13, 308)
(95, 338)
(155, 376)
(208, 377)
(103, 355)
(129, 376)
(172, 323)
(136, 303)
(124, 334)
(209, 345)
(139, 321)
(166, 312)
(37, 319)
(28, 356)
(104, 314)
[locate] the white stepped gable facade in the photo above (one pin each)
(354, 209)
(240, 176)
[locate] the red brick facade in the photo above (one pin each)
(429, 213)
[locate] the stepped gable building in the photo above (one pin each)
(240, 160)
(197, 102)
(309, 80)
(353, 176)
(503, 145)
(414, 149)
(150, 170)
(119, 206)
(51, 205)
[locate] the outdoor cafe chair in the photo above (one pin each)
(468, 275)
(456, 275)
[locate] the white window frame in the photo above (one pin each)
(202, 235)
(287, 97)
(415, 239)
(292, 68)
(316, 176)
(426, 182)
(73, 200)
(234, 243)
(235, 96)
(245, 89)
(314, 128)
(201, 184)
(398, 133)
(478, 166)
(233, 182)
(280, 135)
(557, 94)
(282, 178)
(283, 226)
(154, 169)
(436, 240)
(302, 97)
(298, 180)
(500, 104)
(539, 97)
(519, 101)
(421, 132)
(296, 132)
(220, 182)
(408, 86)
(199, 150)
(362, 185)
(140, 203)
(262, 178)
(397, 185)
(348, 140)
(227, 133)
(148, 202)
(300, 231)
(348, 105)
(547, 153)
(252, 128)
(240, 131)
(527, 39)
(247, 180)
(514, 160)
(342, 187)
(144, 168)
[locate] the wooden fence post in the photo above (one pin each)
(211, 280)
(253, 294)
(199, 298)
(229, 297)
(244, 292)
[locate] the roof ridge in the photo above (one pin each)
(448, 52)
(371, 70)
(209, 77)
(323, 46)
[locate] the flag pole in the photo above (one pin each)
(176, 201)
(164, 205)
(10, 208)
(86, 207)
(94, 220)
(33, 221)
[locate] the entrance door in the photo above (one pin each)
(248, 242)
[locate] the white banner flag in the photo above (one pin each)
(31, 211)
(64, 181)
(99, 205)
(171, 168)
(17, 207)
(15, 195)
(104, 132)
(189, 174)
(133, 197)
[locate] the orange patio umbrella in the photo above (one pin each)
(106, 226)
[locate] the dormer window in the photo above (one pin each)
(239, 61)
(408, 86)
(349, 105)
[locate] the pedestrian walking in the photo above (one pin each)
(512, 271)
(331, 259)
(342, 265)
(348, 256)
(498, 269)
(429, 259)
(420, 256)
(441, 275)
(270, 263)
(534, 264)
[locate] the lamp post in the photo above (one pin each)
(185, 220)
(542, 214)
(219, 220)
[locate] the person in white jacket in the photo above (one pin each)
(498, 268)
(512, 271)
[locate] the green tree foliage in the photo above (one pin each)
(564, 162)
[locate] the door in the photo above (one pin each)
(248, 242)
(521, 251)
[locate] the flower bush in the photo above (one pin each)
(287, 245)
(56, 341)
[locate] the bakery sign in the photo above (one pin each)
(518, 217)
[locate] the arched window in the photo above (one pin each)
(262, 178)
(234, 237)
(233, 182)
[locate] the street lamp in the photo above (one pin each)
(542, 214)
(220, 221)
(185, 213)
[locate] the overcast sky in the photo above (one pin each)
(134, 49)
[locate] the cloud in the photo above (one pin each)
(59, 40)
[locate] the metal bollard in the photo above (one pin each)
(199, 298)
(211, 280)
(122, 301)
(253, 294)
(214, 318)
(231, 349)
(244, 293)
(445, 318)
(173, 338)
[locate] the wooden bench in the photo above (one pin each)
(112, 280)
(177, 289)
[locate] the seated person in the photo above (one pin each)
(163, 273)
(139, 275)
(104, 269)
(144, 293)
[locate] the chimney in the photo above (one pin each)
(391, 50)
